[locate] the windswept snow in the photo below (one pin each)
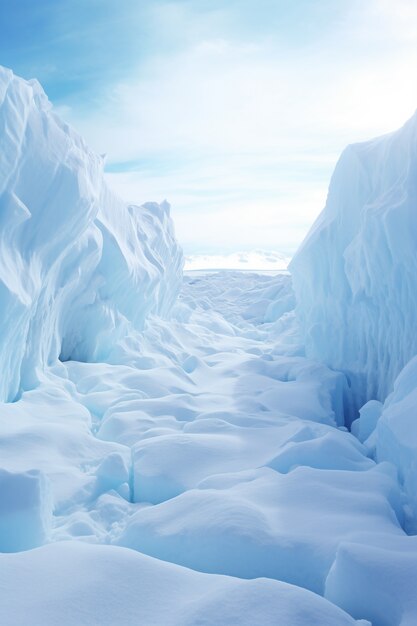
(177, 460)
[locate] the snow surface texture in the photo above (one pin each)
(211, 444)
(174, 441)
(77, 584)
(355, 276)
(78, 267)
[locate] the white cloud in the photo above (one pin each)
(241, 136)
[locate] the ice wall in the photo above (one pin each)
(78, 267)
(355, 275)
(389, 431)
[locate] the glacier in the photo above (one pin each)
(175, 447)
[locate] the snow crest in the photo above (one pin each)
(78, 267)
(355, 276)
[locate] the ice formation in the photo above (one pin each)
(355, 275)
(392, 434)
(174, 461)
(77, 266)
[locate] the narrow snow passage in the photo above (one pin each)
(207, 441)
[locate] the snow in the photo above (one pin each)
(382, 580)
(260, 523)
(25, 510)
(169, 454)
(75, 583)
(355, 274)
(211, 445)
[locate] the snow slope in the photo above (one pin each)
(77, 266)
(355, 275)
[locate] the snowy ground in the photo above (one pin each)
(210, 442)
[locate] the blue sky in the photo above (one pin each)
(234, 111)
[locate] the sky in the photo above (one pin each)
(234, 111)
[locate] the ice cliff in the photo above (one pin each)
(78, 267)
(355, 275)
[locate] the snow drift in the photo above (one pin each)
(78, 267)
(355, 275)
(87, 585)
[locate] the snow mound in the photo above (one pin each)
(263, 523)
(355, 275)
(78, 267)
(376, 582)
(75, 583)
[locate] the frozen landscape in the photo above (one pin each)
(209, 448)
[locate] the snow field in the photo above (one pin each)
(71, 583)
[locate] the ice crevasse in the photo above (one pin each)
(78, 266)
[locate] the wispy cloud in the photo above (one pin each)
(236, 111)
